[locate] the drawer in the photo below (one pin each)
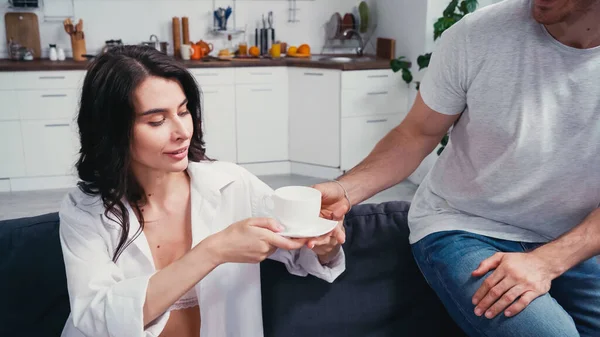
(47, 104)
(360, 135)
(50, 147)
(7, 80)
(213, 76)
(371, 79)
(261, 97)
(219, 122)
(256, 75)
(360, 102)
(9, 105)
(49, 79)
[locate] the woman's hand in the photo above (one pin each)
(327, 246)
(250, 241)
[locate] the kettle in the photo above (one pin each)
(109, 44)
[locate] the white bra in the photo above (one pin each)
(188, 300)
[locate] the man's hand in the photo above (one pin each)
(518, 279)
(333, 202)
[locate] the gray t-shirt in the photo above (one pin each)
(523, 162)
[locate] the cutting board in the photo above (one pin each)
(386, 48)
(24, 29)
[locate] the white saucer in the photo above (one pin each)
(316, 227)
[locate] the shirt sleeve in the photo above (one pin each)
(444, 85)
(103, 302)
(300, 262)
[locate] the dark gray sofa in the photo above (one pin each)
(381, 293)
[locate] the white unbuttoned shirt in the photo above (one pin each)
(107, 298)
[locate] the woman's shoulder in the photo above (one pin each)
(217, 173)
(77, 204)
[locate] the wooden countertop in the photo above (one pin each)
(367, 63)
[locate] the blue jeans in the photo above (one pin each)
(571, 308)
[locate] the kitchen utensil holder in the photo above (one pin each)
(231, 22)
(78, 46)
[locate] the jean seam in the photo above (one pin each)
(440, 280)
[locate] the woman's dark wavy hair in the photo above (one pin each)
(106, 118)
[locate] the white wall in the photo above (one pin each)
(134, 21)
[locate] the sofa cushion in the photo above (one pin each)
(381, 293)
(35, 301)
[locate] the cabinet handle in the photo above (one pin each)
(378, 93)
(377, 120)
(378, 76)
(54, 95)
(52, 77)
(261, 74)
(259, 90)
(314, 74)
(211, 92)
(56, 125)
(207, 74)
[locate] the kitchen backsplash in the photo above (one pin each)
(134, 21)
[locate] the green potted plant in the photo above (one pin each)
(453, 13)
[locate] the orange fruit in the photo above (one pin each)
(253, 51)
(304, 49)
(292, 50)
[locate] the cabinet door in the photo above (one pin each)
(219, 122)
(361, 134)
(9, 105)
(262, 123)
(50, 146)
(12, 163)
(315, 116)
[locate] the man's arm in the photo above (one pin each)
(519, 278)
(579, 244)
(399, 153)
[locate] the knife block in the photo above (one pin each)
(78, 47)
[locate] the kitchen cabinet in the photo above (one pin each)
(361, 134)
(262, 115)
(315, 116)
(50, 147)
(337, 117)
(219, 122)
(11, 150)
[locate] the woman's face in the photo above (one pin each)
(163, 126)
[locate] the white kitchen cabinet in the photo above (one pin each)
(262, 122)
(9, 106)
(315, 116)
(361, 134)
(50, 147)
(11, 150)
(47, 103)
(219, 122)
(69, 79)
(374, 101)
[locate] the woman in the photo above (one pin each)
(158, 240)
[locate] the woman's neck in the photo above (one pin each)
(160, 187)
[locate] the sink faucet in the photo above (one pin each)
(361, 44)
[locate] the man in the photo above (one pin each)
(506, 225)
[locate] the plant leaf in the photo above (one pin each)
(471, 5)
(423, 60)
(398, 64)
(444, 141)
(407, 76)
(441, 25)
(418, 85)
(451, 8)
(440, 150)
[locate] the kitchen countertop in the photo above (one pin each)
(316, 61)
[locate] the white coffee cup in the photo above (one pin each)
(186, 51)
(295, 206)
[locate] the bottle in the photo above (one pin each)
(61, 54)
(53, 53)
